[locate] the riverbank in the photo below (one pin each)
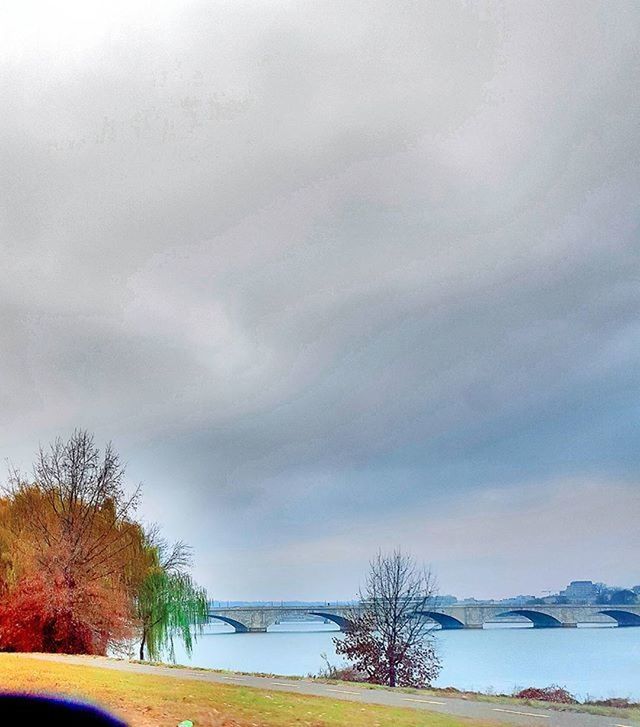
(146, 698)
(149, 695)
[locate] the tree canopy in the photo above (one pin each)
(75, 564)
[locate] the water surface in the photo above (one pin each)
(596, 662)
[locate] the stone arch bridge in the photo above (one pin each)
(256, 619)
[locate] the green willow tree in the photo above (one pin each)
(169, 604)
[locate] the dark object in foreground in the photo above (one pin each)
(31, 710)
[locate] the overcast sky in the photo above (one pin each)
(334, 277)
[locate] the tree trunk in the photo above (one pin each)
(142, 643)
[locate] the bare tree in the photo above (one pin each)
(389, 640)
(176, 558)
(78, 507)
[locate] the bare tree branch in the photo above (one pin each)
(390, 640)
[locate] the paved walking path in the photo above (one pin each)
(522, 716)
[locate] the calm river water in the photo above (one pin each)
(596, 662)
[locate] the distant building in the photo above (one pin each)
(580, 592)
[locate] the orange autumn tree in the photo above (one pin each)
(72, 556)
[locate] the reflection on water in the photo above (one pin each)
(599, 662)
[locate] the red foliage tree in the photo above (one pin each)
(71, 551)
(42, 614)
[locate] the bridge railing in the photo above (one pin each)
(215, 604)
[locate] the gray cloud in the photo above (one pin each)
(311, 265)
(473, 539)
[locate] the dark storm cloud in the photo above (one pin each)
(313, 265)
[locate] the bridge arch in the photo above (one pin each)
(539, 619)
(342, 622)
(624, 618)
(447, 622)
(239, 627)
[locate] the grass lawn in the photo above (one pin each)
(146, 701)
